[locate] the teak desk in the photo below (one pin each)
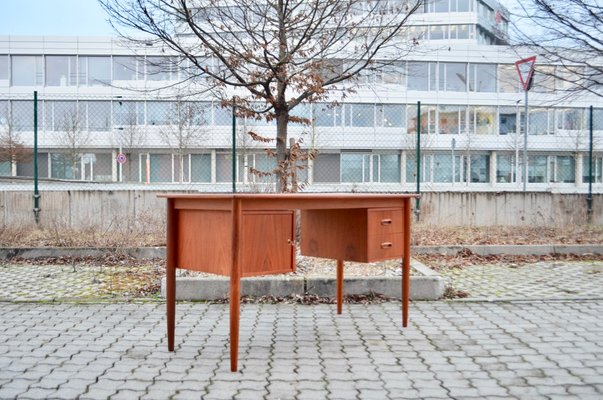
(242, 235)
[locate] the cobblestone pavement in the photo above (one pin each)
(543, 280)
(523, 350)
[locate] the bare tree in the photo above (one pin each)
(569, 34)
(12, 149)
(279, 52)
(184, 130)
(73, 137)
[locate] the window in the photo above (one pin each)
(224, 167)
(537, 169)
(61, 71)
(421, 76)
(222, 115)
(160, 69)
(326, 168)
(3, 67)
(359, 115)
(128, 113)
(541, 121)
(570, 119)
(160, 167)
(94, 71)
(464, 5)
(391, 115)
(99, 115)
(563, 169)
(479, 168)
(4, 117)
(22, 115)
(482, 120)
(125, 68)
(327, 115)
(453, 77)
(63, 116)
(428, 119)
(508, 79)
(158, 112)
(303, 111)
(597, 169)
(505, 168)
(201, 167)
(451, 119)
(27, 70)
(543, 79)
(507, 120)
(363, 167)
(65, 166)
(438, 32)
(482, 78)
(597, 119)
(443, 168)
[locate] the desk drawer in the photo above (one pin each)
(383, 247)
(382, 221)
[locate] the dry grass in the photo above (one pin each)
(144, 233)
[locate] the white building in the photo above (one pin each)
(463, 75)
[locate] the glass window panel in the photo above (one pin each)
(360, 115)
(3, 67)
(99, 71)
(22, 115)
(127, 113)
(455, 77)
(442, 168)
(224, 167)
(464, 5)
(102, 163)
(222, 115)
(389, 168)
(438, 32)
(440, 6)
(537, 169)
(428, 119)
(64, 167)
(201, 167)
(482, 120)
(393, 74)
(505, 168)
(570, 119)
(6, 168)
(480, 168)
(391, 115)
(463, 32)
(352, 167)
(125, 68)
(62, 115)
(508, 79)
(326, 168)
(27, 70)
(160, 167)
(451, 119)
(99, 115)
(418, 76)
(159, 68)
(543, 79)
(4, 113)
(507, 120)
(60, 71)
(482, 78)
(597, 169)
(541, 121)
(302, 111)
(158, 112)
(597, 119)
(566, 169)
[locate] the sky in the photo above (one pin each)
(53, 17)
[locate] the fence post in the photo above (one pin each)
(36, 196)
(418, 200)
(589, 198)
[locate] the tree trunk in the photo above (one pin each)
(281, 152)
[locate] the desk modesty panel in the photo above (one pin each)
(243, 235)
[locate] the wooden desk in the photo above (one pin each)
(242, 235)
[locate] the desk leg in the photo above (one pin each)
(170, 271)
(406, 264)
(235, 284)
(339, 286)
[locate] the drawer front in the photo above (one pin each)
(383, 247)
(382, 221)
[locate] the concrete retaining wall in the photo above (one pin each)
(116, 209)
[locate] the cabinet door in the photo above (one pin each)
(268, 245)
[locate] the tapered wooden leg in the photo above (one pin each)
(339, 286)
(235, 284)
(171, 255)
(406, 264)
(235, 307)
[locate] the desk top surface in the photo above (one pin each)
(286, 196)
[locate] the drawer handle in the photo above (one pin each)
(386, 221)
(386, 245)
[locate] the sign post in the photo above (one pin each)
(525, 69)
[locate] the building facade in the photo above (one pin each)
(106, 118)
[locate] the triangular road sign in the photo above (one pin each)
(525, 68)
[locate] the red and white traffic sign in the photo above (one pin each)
(525, 69)
(121, 158)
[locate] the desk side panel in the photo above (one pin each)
(205, 239)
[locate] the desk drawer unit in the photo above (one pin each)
(362, 235)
